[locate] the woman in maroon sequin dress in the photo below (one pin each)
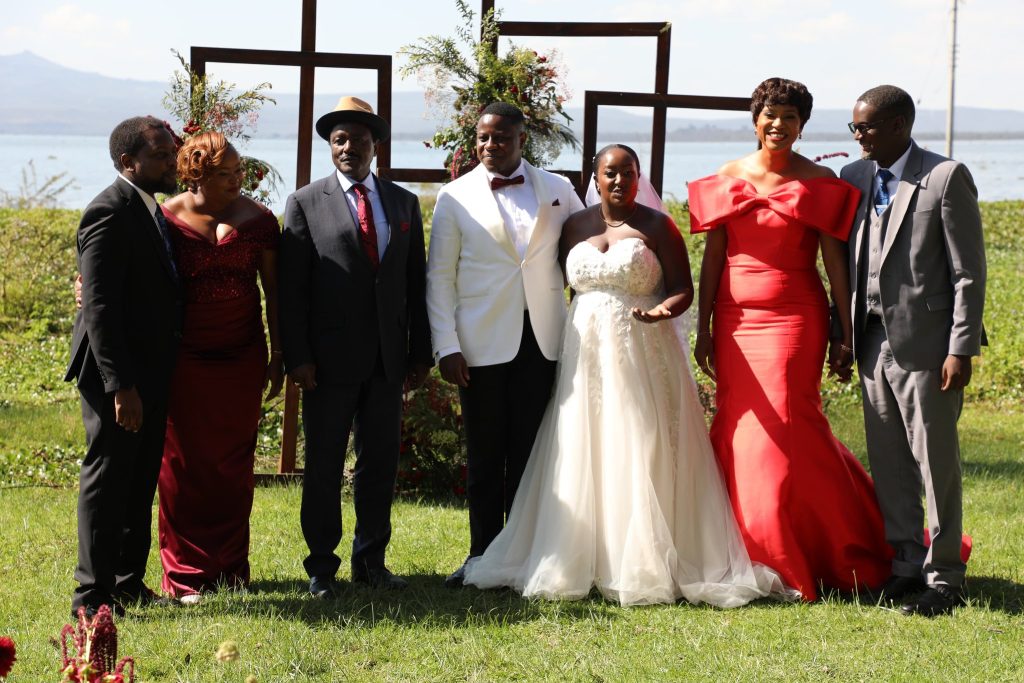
(223, 241)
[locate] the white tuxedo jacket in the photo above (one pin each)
(477, 287)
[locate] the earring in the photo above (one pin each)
(800, 136)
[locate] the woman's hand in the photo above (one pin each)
(656, 314)
(704, 354)
(840, 360)
(274, 376)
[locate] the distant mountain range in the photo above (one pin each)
(40, 97)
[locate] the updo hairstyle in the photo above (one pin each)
(200, 154)
(774, 91)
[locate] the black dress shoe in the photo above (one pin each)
(380, 578)
(147, 597)
(324, 588)
(898, 587)
(90, 611)
(938, 599)
(457, 579)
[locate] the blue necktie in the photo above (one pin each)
(882, 196)
(165, 235)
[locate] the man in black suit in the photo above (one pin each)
(122, 354)
(354, 328)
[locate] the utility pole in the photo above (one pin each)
(952, 85)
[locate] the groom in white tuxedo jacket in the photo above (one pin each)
(496, 304)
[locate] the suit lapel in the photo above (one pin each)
(148, 223)
(393, 215)
(909, 183)
(490, 217)
(543, 194)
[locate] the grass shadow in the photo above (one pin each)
(995, 594)
(425, 603)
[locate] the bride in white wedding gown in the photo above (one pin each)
(622, 490)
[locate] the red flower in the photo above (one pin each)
(7, 657)
(542, 59)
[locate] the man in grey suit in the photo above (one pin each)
(353, 328)
(917, 264)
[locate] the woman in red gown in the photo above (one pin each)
(804, 504)
(222, 241)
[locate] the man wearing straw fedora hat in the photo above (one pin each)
(354, 329)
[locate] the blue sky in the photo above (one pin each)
(719, 47)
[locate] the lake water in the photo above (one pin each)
(997, 165)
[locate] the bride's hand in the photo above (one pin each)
(656, 314)
(704, 354)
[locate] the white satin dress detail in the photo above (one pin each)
(622, 490)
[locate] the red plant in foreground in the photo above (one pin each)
(95, 643)
(7, 657)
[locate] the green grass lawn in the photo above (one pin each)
(430, 633)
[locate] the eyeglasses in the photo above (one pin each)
(865, 127)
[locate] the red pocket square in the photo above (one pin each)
(556, 203)
(404, 227)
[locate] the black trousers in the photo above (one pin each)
(115, 499)
(372, 412)
(502, 409)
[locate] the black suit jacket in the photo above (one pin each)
(127, 330)
(336, 311)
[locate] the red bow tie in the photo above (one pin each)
(497, 182)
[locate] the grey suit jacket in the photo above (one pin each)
(932, 274)
(336, 311)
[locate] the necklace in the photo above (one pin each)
(616, 224)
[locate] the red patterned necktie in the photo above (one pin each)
(367, 229)
(498, 182)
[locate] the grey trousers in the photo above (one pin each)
(912, 440)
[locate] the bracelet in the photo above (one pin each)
(844, 347)
(279, 354)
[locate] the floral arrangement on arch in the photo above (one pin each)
(204, 105)
(460, 86)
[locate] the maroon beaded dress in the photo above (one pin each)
(206, 480)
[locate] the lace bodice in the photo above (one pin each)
(628, 266)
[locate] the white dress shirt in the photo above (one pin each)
(518, 207)
(380, 219)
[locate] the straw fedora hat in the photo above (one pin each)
(354, 110)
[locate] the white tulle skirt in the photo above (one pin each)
(622, 491)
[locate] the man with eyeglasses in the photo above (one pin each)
(917, 268)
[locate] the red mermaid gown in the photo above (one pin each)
(805, 505)
(206, 480)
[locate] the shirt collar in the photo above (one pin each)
(346, 183)
(897, 166)
(520, 170)
(148, 199)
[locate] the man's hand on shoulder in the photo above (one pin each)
(128, 409)
(454, 369)
(304, 376)
(956, 372)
